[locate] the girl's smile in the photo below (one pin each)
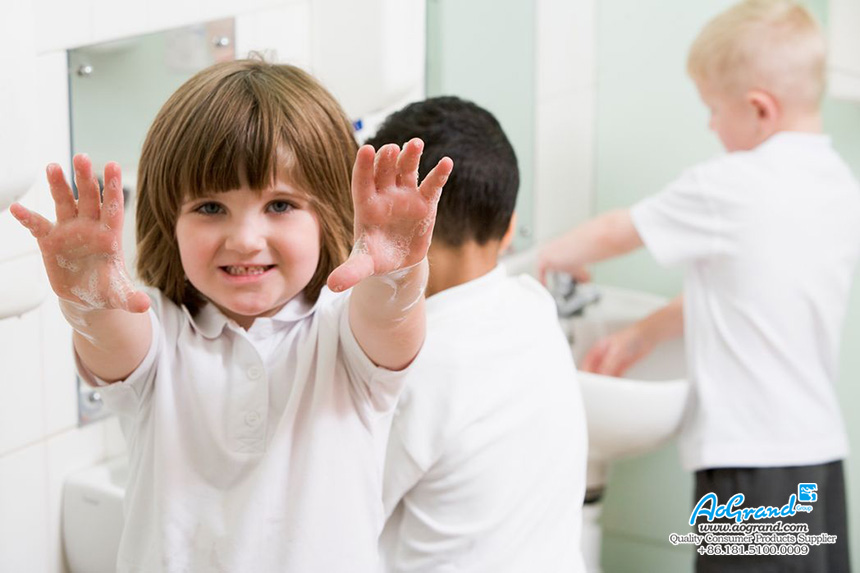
(246, 273)
(249, 252)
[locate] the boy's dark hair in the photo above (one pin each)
(479, 196)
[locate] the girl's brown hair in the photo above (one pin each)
(235, 124)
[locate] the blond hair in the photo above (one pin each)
(239, 124)
(773, 45)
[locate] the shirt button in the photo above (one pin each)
(254, 372)
(252, 418)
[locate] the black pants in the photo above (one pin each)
(771, 487)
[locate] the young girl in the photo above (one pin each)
(255, 401)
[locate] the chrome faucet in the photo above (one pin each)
(571, 297)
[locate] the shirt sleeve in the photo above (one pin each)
(379, 386)
(427, 417)
(402, 471)
(682, 223)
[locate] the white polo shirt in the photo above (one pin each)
(255, 451)
(486, 461)
(768, 239)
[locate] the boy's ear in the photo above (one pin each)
(508, 237)
(766, 106)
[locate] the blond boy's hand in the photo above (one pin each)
(550, 260)
(394, 215)
(82, 251)
(601, 238)
(615, 354)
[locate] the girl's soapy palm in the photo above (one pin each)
(82, 251)
(394, 215)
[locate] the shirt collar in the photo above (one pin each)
(210, 321)
(467, 290)
(798, 138)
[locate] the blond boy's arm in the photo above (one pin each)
(609, 235)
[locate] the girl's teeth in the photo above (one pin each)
(246, 270)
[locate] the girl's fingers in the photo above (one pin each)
(38, 226)
(357, 267)
(408, 161)
(64, 200)
(432, 185)
(385, 172)
(112, 209)
(362, 174)
(88, 187)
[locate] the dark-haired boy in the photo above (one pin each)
(485, 467)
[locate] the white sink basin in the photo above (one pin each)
(642, 410)
(93, 516)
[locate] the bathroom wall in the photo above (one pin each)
(476, 63)
(39, 440)
(650, 125)
(531, 64)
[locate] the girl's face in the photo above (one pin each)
(249, 253)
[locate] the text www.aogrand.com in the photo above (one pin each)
(776, 527)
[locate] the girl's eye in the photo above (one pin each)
(209, 209)
(280, 206)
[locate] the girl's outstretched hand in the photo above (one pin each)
(394, 216)
(82, 251)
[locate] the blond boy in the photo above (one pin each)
(768, 237)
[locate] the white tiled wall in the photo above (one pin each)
(277, 33)
(31, 482)
(23, 499)
(369, 57)
(64, 24)
(39, 440)
(22, 415)
(844, 64)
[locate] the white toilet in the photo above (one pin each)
(92, 516)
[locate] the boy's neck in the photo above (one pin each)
(453, 266)
(809, 122)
